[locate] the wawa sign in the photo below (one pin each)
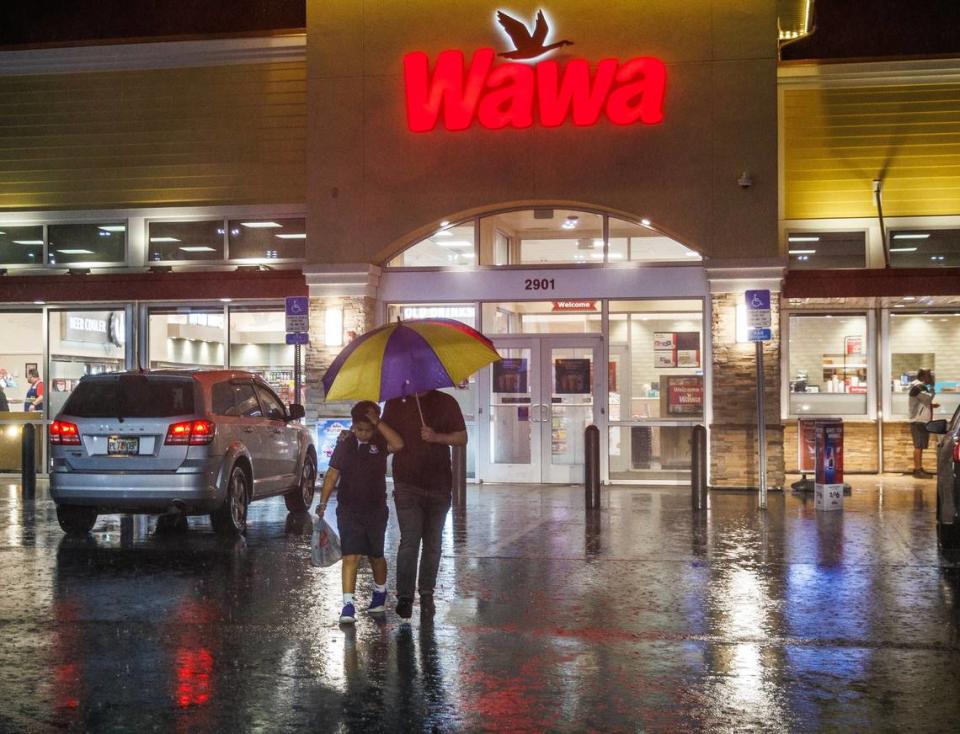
(455, 93)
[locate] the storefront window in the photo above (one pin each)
(925, 340)
(449, 245)
(68, 244)
(541, 236)
(20, 350)
(933, 248)
(21, 245)
(258, 344)
(640, 243)
(82, 343)
(829, 370)
(185, 338)
(655, 375)
(542, 317)
(820, 250)
(180, 241)
(267, 239)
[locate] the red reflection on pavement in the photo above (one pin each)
(193, 677)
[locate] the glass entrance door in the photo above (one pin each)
(539, 399)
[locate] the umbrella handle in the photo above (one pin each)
(419, 409)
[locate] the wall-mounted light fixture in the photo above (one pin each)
(333, 326)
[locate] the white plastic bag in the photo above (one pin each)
(325, 546)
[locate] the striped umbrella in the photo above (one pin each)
(405, 358)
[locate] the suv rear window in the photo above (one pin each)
(131, 396)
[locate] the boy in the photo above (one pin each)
(360, 463)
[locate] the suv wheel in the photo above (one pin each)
(300, 499)
(231, 517)
(76, 519)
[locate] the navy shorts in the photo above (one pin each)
(362, 531)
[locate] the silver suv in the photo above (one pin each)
(177, 443)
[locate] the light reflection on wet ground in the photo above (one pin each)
(645, 616)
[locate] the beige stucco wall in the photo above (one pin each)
(372, 184)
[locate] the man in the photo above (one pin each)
(4, 405)
(422, 483)
(921, 407)
(34, 397)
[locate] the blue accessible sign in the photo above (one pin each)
(758, 315)
(298, 315)
(298, 338)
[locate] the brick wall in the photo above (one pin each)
(733, 432)
(898, 449)
(358, 317)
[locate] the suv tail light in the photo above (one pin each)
(63, 432)
(956, 449)
(190, 433)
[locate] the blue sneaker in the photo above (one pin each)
(378, 603)
(348, 615)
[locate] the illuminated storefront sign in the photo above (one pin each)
(457, 93)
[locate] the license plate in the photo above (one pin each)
(121, 446)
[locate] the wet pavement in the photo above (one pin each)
(645, 616)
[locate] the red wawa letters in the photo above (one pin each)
(514, 95)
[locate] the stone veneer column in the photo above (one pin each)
(352, 288)
(733, 431)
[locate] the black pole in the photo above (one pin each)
(591, 467)
(296, 374)
(698, 468)
(28, 464)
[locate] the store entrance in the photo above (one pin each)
(535, 405)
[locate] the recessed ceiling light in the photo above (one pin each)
(909, 298)
(645, 222)
(76, 252)
(802, 238)
(40, 303)
(300, 236)
(164, 239)
(28, 242)
(226, 300)
(262, 225)
(113, 228)
(917, 236)
(196, 248)
(444, 223)
(903, 249)
(802, 252)
(693, 254)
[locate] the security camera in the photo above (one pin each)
(745, 181)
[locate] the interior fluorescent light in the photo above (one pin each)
(902, 236)
(909, 298)
(598, 242)
(196, 248)
(164, 239)
(455, 243)
(28, 242)
(802, 252)
(802, 238)
(262, 225)
(113, 228)
(301, 236)
(76, 252)
(903, 249)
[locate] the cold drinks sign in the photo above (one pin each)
(456, 93)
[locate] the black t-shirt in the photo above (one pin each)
(422, 464)
(363, 470)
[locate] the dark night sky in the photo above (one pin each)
(844, 28)
(866, 29)
(77, 21)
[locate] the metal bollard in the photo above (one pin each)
(591, 468)
(459, 466)
(698, 468)
(28, 464)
